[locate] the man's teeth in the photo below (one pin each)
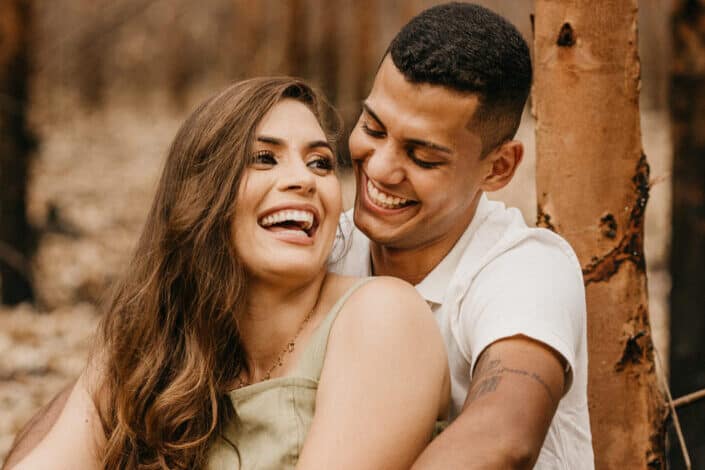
(384, 200)
(305, 218)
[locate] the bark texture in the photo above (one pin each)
(688, 243)
(297, 46)
(329, 49)
(15, 146)
(592, 186)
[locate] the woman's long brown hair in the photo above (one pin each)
(168, 346)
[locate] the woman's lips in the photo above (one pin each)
(295, 236)
(292, 223)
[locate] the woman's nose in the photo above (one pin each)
(297, 176)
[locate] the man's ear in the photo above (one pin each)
(502, 163)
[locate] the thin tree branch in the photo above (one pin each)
(15, 260)
(671, 405)
(689, 398)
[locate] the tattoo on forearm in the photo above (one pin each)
(488, 374)
(484, 387)
(487, 377)
(532, 375)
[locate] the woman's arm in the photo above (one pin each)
(74, 440)
(37, 427)
(383, 384)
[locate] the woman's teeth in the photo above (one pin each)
(384, 200)
(303, 218)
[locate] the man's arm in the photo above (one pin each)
(511, 401)
(38, 427)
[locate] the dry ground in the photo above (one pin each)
(92, 184)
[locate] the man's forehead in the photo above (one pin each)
(392, 95)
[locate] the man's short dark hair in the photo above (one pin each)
(469, 48)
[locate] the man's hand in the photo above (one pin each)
(513, 396)
(37, 427)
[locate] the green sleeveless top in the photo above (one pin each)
(274, 416)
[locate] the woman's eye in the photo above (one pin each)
(321, 163)
(372, 132)
(263, 157)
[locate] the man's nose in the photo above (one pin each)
(385, 164)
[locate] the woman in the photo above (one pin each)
(227, 329)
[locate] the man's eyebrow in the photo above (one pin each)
(369, 111)
(280, 142)
(431, 145)
(415, 142)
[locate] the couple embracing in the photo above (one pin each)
(257, 327)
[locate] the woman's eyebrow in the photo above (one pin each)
(281, 143)
(319, 143)
(270, 140)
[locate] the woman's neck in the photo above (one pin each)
(275, 313)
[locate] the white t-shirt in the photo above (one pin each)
(503, 278)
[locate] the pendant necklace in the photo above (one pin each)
(288, 349)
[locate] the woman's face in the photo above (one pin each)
(289, 200)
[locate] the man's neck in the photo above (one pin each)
(415, 263)
(411, 265)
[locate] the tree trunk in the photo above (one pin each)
(366, 54)
(297, 44)
(328, 54)
(592, 184)
(250, 39)
(688, 238)
(15, 146)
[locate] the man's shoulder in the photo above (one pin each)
(517, 280)
(539, 246)
(502, 238)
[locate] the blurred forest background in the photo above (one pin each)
(109, 82)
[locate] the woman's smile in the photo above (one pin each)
(292, 223)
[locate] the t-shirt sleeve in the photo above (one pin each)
(536, 290)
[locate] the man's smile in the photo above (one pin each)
(385, 200)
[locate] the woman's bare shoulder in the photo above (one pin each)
(75, 437)
(386, 298)
(388, 313)
(384, 339)
(391, 287)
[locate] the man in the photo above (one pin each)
(434, 135)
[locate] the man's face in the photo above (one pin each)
(416, 162)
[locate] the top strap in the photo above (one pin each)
(310, 363)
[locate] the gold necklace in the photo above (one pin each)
(289, 348)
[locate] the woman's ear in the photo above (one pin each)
(503, 162)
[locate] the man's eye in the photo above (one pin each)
(263, 157)
(426, 165)
(422, 163)
(372, 132)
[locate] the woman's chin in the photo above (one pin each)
(288, 270)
